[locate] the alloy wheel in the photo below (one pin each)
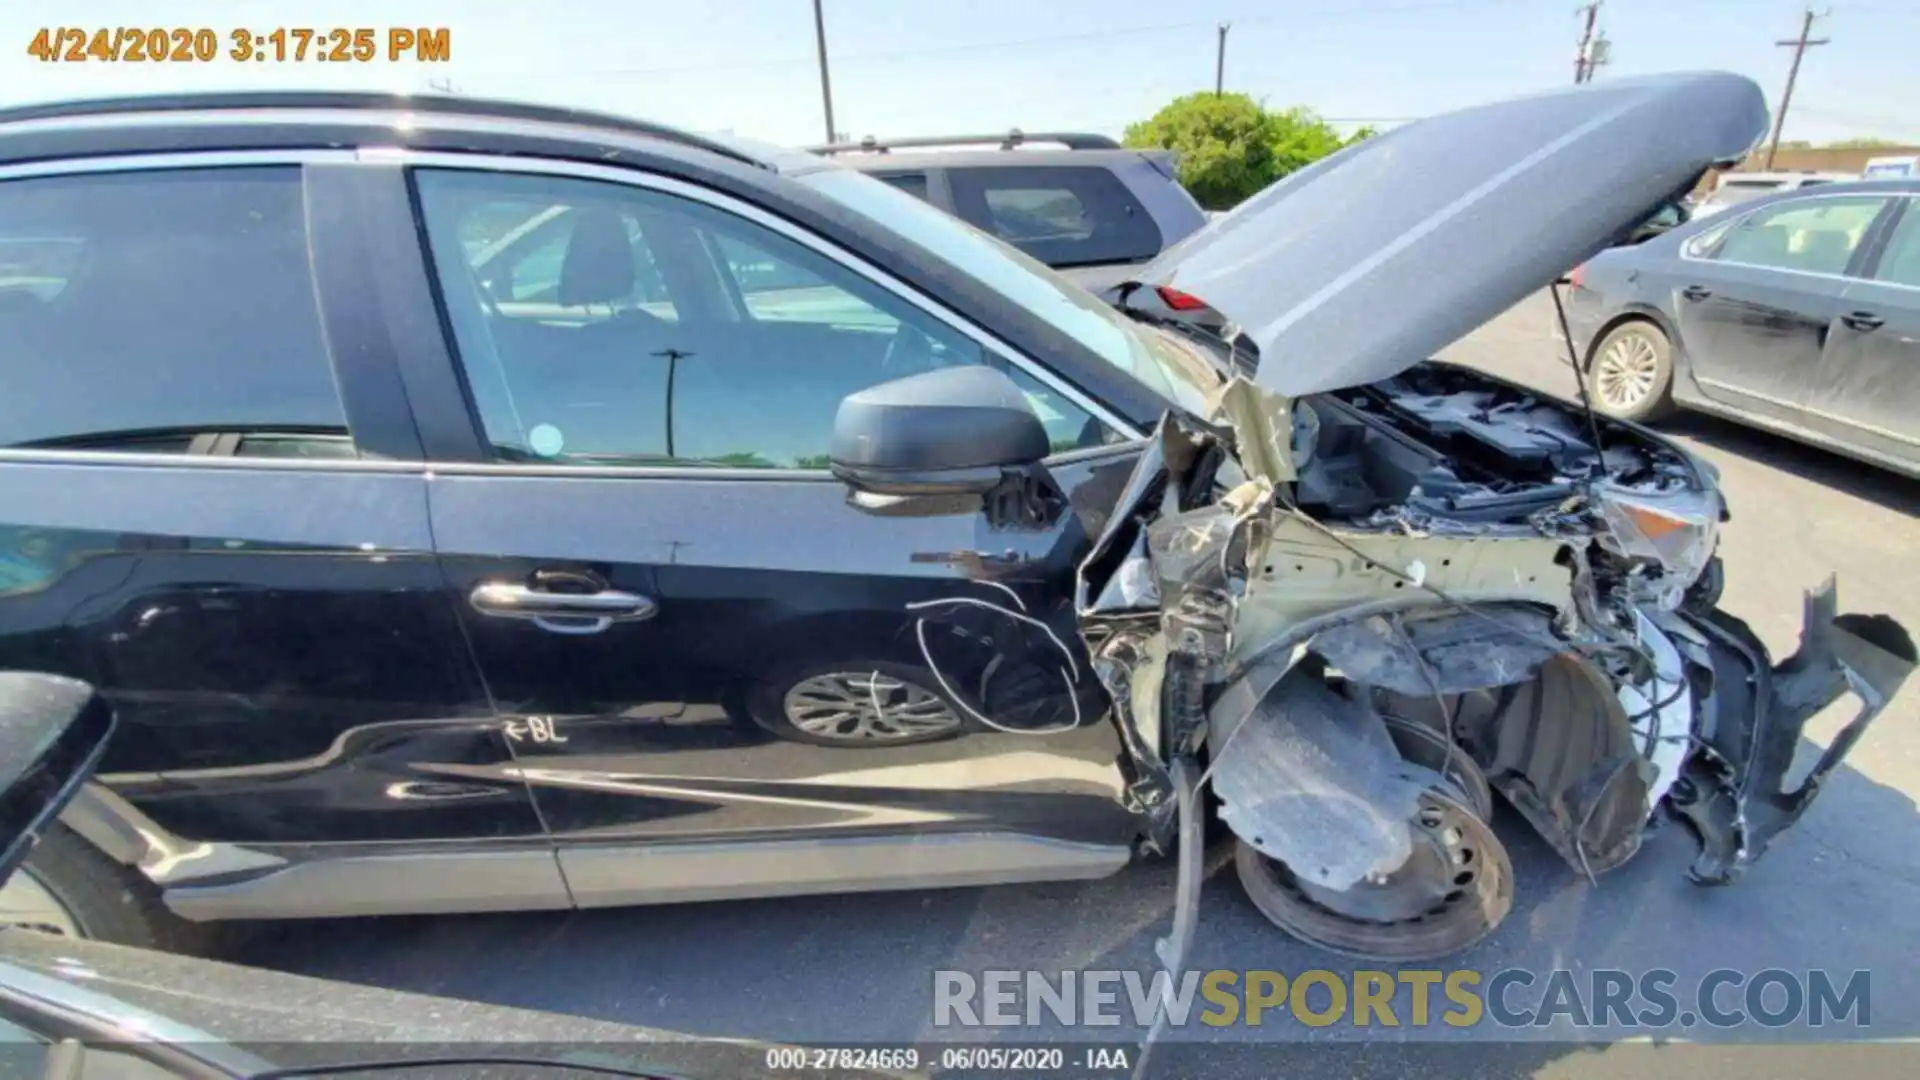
(1627, 372)
(866, 706)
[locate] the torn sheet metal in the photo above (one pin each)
(1443, 651)
(1262, 423)
(1307, 571)
(1314, 780)
(1735, 800)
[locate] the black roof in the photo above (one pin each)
(314, 109)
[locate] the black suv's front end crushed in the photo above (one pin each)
(1357, 677)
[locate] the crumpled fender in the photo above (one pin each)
(1755, 713)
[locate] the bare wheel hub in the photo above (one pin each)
(1444, 862)
(1452, 891)
(866, 706)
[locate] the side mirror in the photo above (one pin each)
(947, 432)
(52, 734)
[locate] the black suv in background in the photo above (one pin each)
(1090, 208)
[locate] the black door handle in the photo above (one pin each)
(1863, 321)
(1696, 292)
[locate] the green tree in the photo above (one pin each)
(1230, 146)
(1223, 143)
(1299, 138)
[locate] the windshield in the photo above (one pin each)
(1162, 362)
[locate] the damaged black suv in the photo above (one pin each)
(468, 506)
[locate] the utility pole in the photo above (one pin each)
(1583, 60)
(1220, 61)
(826, 87)
(1799, 46)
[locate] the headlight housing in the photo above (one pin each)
(1676, 531)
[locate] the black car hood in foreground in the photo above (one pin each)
(1375, 258)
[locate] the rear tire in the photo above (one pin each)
(1630, 374)
(105, 901)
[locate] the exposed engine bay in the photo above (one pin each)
(1361, 614)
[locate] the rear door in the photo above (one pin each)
(1868, 392)
(689, 631)
(1754, 310)
(211, 506)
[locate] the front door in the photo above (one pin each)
(720, 675)
(1754, 312)
(1868, 392)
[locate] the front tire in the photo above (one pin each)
(69, 888)
(1630, 374)
(1453, 891)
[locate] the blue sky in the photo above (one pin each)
(904, 67)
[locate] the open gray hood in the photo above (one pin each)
(1375, 258)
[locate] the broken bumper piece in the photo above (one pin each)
(1753, 715)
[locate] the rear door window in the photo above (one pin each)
(1815, 236)
(1063, 216)
(138, 309)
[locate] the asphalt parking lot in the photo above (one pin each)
(1840, 892)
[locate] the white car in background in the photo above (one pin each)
(1736, 188)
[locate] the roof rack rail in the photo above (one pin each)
(1011, 139)
(446, 105)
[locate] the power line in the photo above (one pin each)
(1799, 46)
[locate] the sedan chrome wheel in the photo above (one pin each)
(1627, 372)
(29, 905)
(866, 707)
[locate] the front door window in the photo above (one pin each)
(600, 323)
